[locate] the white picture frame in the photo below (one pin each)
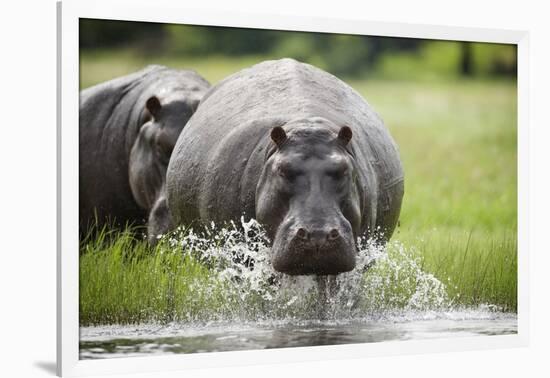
(68, 363)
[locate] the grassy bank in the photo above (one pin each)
(457, 141)
(124, 281)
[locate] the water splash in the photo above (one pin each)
(387, 279)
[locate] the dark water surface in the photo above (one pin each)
(150, 339)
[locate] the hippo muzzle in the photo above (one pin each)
(314, 250)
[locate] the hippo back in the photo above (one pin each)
(217, 161)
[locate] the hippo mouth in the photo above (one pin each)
(303, 258)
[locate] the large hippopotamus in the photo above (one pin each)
(298, 150)
(128, 128)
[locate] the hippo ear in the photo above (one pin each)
(278, 135)
(153, 106)
(345, 134)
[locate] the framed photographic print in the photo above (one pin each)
(240, 188)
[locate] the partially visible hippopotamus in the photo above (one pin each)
(128, 129)
(300, 151)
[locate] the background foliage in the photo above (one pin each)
(347, 55)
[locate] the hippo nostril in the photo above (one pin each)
(301, 233)
(333, 234)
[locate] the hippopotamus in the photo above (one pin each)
(128, 128)
(298, 150)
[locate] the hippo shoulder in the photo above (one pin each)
(213, 175)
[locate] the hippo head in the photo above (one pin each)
(308, 199)
(150, 154)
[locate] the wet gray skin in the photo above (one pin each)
(128, 128)
(300, 151)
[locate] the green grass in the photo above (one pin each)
(123, 281)
(458, 144)
(477, 267)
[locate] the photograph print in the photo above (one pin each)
(245, 189)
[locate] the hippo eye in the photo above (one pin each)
(287, 173)
(162, 153)
(337, 174)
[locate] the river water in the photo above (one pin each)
(387, 297)
(151, 339)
